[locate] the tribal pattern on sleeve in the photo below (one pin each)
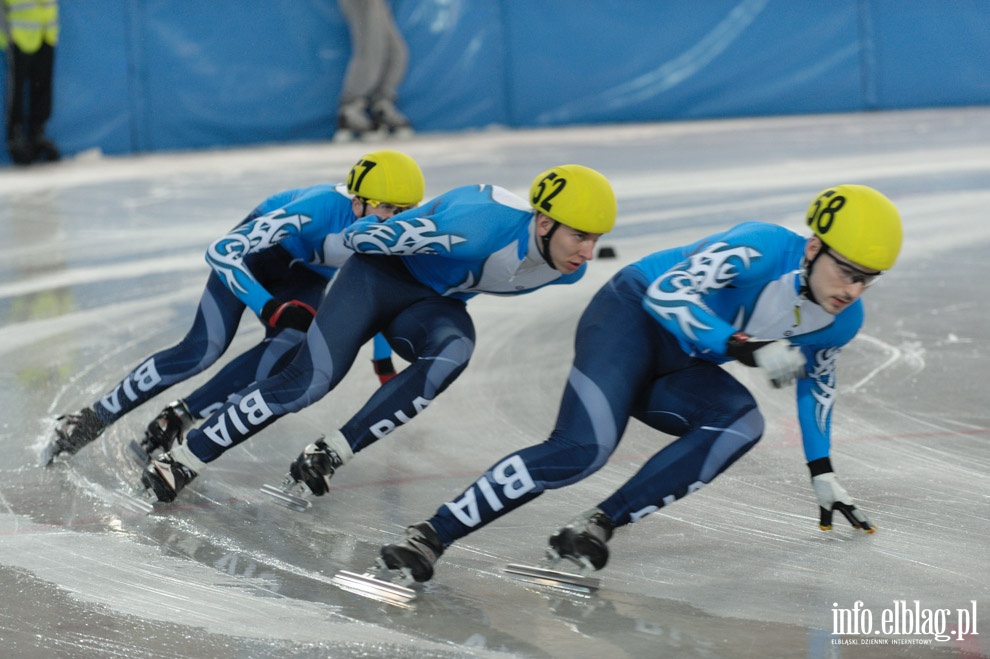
(226, 255)
(822, 371)
(677, 296)
(402, 237)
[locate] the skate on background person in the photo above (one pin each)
(379, 58)
(277, 262)
(649, 346)
(410, 280)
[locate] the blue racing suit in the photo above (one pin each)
(649, 346)
(287, 248)
(409, 280)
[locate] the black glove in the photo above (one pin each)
(832, 496)
(288, 315)
(782, 361)
(384, 369)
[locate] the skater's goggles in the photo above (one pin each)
(851, 274)
(387, 207)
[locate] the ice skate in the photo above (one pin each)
(414, 558)
(291, 494)
(170, 472)
(368, 585)
(311, 472)
(583, 541)
(21, 150)
(167, 428)
(319, 461)
(45, 150)
(389, 120)
(72, 432)
(354, 123)
(554, 579)
(416, 555)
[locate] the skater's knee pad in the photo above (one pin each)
(730, 443)
(748, 424)
(446, 363)
(751, 423)
(191, 356)
(571, 462)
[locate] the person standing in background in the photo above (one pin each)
(377, 66)
(29, 33)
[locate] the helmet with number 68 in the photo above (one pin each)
(859, 223)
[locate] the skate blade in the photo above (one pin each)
(48, 454)
(402, 133)
(346, 136)
(140, 502)
(554, 579)
(367, 585)
(283, 498)
(139, 454)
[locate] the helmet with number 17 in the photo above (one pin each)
(576, 196)
(859, 223)
(387, 176)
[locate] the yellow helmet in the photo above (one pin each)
(387, 176)
(859, 223)
(576, 196)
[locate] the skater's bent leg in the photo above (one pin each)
(318, 366)
(586, 433)
(437, 336)
(255, 364)
(718, 421)
(610, 368)
(363, 295)
(213, 329)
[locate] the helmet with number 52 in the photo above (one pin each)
(576, 197)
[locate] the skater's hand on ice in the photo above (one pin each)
(832, 496)
(782, 361)
(288, 315)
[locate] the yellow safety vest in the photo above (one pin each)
(31, 22)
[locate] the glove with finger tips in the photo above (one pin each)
(782, 361)
(288, 315)
(832, 496)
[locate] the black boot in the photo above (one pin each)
(21, 150)
(44, 149)
(417, 554)
(583, 540)
(167, 428)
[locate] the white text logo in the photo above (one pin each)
(250, 410)
(515, 480)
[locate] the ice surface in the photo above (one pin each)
(101, 264)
